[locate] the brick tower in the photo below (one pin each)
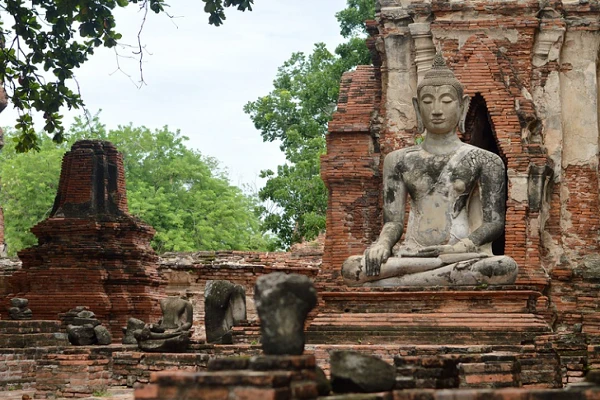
(91, 252)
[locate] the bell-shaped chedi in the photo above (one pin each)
(90, 250)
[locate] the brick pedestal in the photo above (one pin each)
(465, 315)
(257, 378)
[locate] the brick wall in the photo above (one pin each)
(188, 273)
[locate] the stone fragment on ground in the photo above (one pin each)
(353, 372)
(283, 301)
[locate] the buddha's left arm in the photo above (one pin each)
(187, 317)
(492, 185)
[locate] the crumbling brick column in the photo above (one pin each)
(350, 169)
(91, 251)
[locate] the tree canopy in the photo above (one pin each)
(181, 193)
(296, 113)
(58, 36)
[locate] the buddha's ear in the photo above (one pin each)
(466, 100)
(420, 126)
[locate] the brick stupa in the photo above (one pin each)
(91, 251)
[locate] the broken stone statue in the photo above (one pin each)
(85, 329)
(172, 333)
(283, 301)
(353, 372)
(133, 325)
(457, 202)
(19, 309)
(224, 307)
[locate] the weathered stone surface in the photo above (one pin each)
(591, 267)
(83, 328)
(81, 335)
(133, 324)
(19, 309)
(174, 344)
(19, 302)
(20, 313)
(79, 315)
(86, 314)
(356, 372)
(224, 307)
(103, 335)
(283, 301)
(172, 333)
(84, 321)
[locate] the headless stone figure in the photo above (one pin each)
(172, 333)
(457, 202)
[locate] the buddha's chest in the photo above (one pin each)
(439, 175)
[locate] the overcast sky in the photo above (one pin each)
(198, 77)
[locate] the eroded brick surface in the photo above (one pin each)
(91, 252)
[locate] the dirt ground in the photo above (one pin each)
(114, 393)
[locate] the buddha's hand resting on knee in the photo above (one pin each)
(376, 255)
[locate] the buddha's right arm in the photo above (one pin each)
(394, 201)
(390, 234)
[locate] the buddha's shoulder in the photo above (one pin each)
(482, 155)
(401, 154)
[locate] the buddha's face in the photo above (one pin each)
(440, 108)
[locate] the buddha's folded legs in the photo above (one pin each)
(495, 270)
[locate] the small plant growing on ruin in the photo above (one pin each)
(102, 392)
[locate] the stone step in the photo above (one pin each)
(442, 300)
(31, 333)
(33, 340)
(432, 328)
(29, 326)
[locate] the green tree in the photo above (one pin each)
(181, 193)
(296, 113)
(28, 184)
(58, 36)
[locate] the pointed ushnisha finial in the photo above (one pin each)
(438, 61)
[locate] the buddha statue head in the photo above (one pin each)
(441, 104)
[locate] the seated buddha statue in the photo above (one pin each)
(172, 333)
(457, 202)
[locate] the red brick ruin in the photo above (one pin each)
(91, 251)
(532, 76)
(532, 72)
